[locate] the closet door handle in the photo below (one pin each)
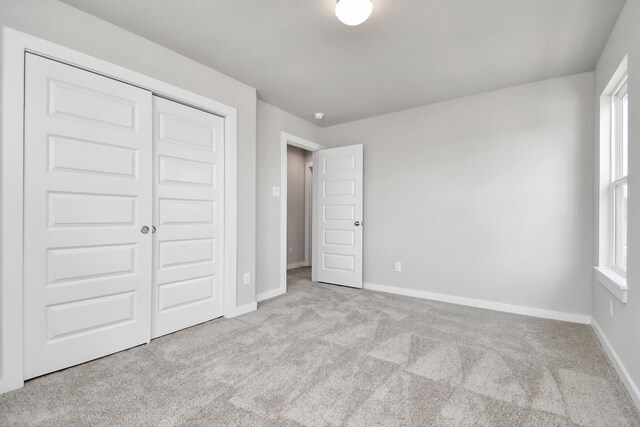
(144, 230)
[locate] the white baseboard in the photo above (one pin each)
(489, 305)
(244, 309)
(271, 294)
(632, 388)
(296, 265)
(7, 386)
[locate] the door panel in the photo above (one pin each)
(338, 183)
(189, 160)
(88, 182)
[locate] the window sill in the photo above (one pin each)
(613, 282)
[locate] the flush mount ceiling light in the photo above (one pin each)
(353, 12)
(319, 116)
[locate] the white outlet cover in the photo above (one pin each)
(611, 308)
(397, 266)
(247, 278)
(276, 191)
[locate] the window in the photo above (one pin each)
(611, 270)
(619, 171)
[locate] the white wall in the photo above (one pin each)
(486, 197)
(623, 331)
(67, 26)
(295, 205)
(271, 122)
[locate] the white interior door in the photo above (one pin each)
(189, 215)
(337, 219)
(87, 195)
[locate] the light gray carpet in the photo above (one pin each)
(327, 355)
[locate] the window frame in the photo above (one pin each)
(619, 176)
(607, 274)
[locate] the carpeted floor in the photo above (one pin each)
(328, 355)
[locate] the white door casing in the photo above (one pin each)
(308, 213)
(338, 215)
(188, 214)
(87, 194)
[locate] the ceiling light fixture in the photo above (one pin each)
(319, 116)
(353, 12)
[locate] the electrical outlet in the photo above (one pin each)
(397, 267)
(290, 250)
(247, 278)
(611, 308)
(276, 191)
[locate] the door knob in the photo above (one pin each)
(144, 230)
(357, 223)
(153, 229)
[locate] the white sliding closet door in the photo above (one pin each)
(189, 215)
(88, 193)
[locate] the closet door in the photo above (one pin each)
(88, 182)
(188, 214)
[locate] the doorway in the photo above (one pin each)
(299, 202)
(335, 217)
(296, 182)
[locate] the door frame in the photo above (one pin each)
(287, 139)
(308, 212)
(15, 45)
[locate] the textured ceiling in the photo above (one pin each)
(410, 52)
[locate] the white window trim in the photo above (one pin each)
(613, 282)
(617, 179)
(606, 272)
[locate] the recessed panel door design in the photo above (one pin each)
(188, 216)
(88, 182)
(337, 220)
